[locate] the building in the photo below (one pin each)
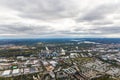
(62, 52)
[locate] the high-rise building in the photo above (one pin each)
(62, 52)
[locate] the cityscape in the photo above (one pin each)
(59, 39)
(60, 59)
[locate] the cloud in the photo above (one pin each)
(59, 18)
(103, 22)
(108, 30)
(100, 12)
(43, 9)
(24, 30)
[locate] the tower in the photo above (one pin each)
(47, 50)
(62, 52)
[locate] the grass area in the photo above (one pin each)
(21, 77)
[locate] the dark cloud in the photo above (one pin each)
(78, 32)
(13, 28)
(43, 9)
(102, 23)
(108, 29)
(25, 29)
(98, 30)
(100, 12)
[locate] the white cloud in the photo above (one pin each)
(59, 18)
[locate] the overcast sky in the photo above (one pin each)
(59, 18)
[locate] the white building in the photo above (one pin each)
(6, 73)
(62, 51)
(15, 71)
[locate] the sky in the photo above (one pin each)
(59, 18)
